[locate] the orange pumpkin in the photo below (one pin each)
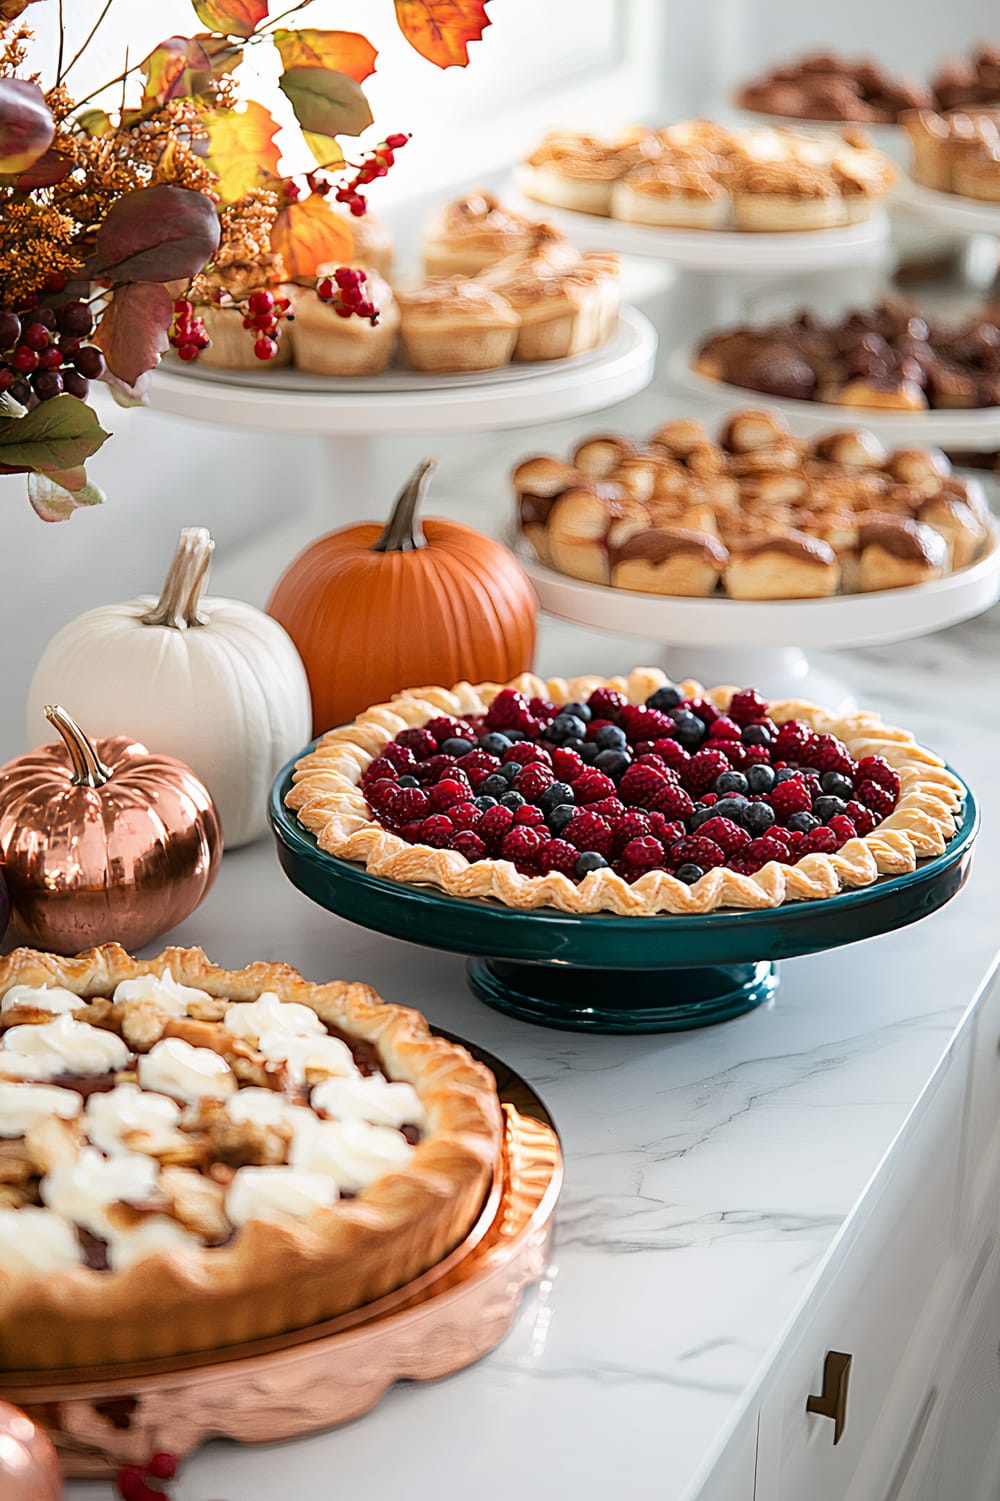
(375, 611)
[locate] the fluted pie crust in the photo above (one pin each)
(328, 801)
(279, 1274)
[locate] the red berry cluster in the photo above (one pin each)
(187, 332)
(263, 319)
(344, 291)
(132, 1481)
(375, 164)
(671, 785)
(43, 354)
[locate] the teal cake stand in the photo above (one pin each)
(603, 973)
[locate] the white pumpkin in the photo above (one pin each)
(214, 682)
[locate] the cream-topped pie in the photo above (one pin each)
(472, 233)
(192, 1157)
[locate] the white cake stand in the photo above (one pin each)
(747, 643)
(405, 403)
(966, 216)
(975, 431)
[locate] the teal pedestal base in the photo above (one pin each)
(605, 1000)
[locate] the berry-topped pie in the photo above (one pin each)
(630, 795)
(192, 1157)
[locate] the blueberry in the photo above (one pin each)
(512, 800)
(758, 818)
(407, 782)
(810, 773)
(484, 801)
(560, 816)
(730, 781)
(614, 763)
(826, 807)
(732, 808)
(515, 735)
(508, 771)
(699, 816)
(689, 873)
(689, 730)
(588, 861)
(756, 734)
(554, 794)
(495, 744)
(495, 785)
(837, 785)
(611, 737)
(585, 749)
(456, 747)
(578, 711)
(803, 823)
(664, 699)
(564, 727)
(761, 778)
(787, 774)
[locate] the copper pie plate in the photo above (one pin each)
(101, 1417)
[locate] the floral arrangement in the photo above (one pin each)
(117, 224)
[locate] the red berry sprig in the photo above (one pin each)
(263, 319)
(132, 1481)
(43, 353)
(187, 332)
(344, 292)
(376, 164)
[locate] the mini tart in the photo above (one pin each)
(326, 344)
(667, 193)
(917, 797)
(231, 346)
(475, 232)
(578, 172)
(565, 306)
(213, 1186)
(454, 324)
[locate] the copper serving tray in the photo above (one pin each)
(102, 1417)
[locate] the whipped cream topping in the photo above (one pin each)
(380, 1102)
(175, 1068)
(52, 998)
(166, 993)
(124, 1109)
(63, 1046)
(266, 1107)
(25, 1105)
(302, 1055)
(155, 1233)
(352, 1153)
(251, 1019)
(82, 1191)
(35, 1241)
(262, 1193)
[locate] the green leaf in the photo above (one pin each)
(326, 103)
(53, 502)
(233, 17)
(56, 434)
(94, 122)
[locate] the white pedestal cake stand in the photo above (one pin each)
(969, 216)
(349, 414)
(761, 644)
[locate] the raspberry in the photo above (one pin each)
(702, 769)
(822, 841)
(419, 742)
(641, 784)
(590, 786)
(411, 831)
(399, 756)
(477, 765)
(703, 707)
(695, 851)
(830, 754)
(606, 703)
(843, 828)
(381, 793)
(587, 831)
(863, 819)
(781, 836)
(508, 711)
(410, 803)
(635, 825)
(876, 798)
(724, 729)
(436, 831)
(532, 781)
(641, 854)
(794, 743)
(445, 728)
(737, 754)
(566, 764)
(667, 831)
(611, 808)
(745, 864)
(494, 825)
(765, 848)
(788, 798)
(672, 755)
(876, 769)
(523, 848)
(650, 758)
(672, 800)
(428, 771)
(596, 725)
(529, 816)
(642, 748)
(797, 848)
(727, 835)
(445, 793)
(640, 723)
(747, 707)
(468, 844)
(527, 752)
(542, 709)
(463, 815)
(752, 754)
(558, 855)
(382, 767)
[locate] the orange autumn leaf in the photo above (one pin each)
(308, 234)
(344, 51)
(241, 149)
(441, 30)
(232, 17)
(186, 67)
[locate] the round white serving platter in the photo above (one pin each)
(971, 216)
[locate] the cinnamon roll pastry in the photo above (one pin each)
(748, 430)
(668, 560)
(581, 524)
(964, 532)
(476, 231)
(854, 448)
(680, 437)
(922, 468)
(538, 483)
(560, 306)
(784, 195)
(575, 171)
(671, 193)
(788, 566)
(895, 552)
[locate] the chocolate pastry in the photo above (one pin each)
(823, 86)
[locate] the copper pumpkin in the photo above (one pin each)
(374, 610)
(102, 841)
(29, 1470)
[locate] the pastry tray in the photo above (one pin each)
(102, 1417)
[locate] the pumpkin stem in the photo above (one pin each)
(88, 768)
(178, 605)
(403, 532)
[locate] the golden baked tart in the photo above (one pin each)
(453, 323)
(194, 1157)
(629, 795)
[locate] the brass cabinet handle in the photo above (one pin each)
(832, 1400)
